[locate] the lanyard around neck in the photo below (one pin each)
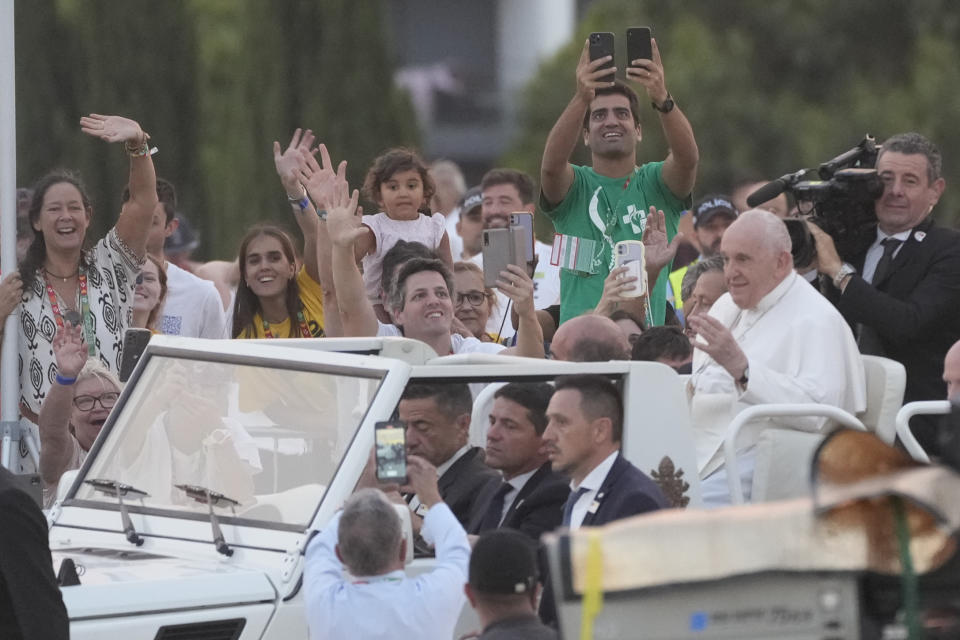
(304, 329)
(88, 333)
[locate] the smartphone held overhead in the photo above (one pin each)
(639, 44)
(639, 47)
(601, 45)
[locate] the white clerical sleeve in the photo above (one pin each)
(818, 364)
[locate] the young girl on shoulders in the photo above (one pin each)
(400, 184)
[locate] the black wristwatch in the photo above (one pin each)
(667, 105)
(745, 378)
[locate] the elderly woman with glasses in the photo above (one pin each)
(473, 302)
(74, 410)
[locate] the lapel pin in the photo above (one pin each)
(920, 235)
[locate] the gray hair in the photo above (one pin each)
(697, 269)
(914, 143)
(369, 535)
(96, 369)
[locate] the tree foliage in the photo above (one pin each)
(215, 82)
(771, 86)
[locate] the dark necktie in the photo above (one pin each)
(883, 266)
(491, 519)
(571, 501)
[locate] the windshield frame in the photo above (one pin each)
(307, 362)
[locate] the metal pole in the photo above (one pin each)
(9, 379)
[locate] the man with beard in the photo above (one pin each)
(711, 217)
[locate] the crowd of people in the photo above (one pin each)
(725, 305)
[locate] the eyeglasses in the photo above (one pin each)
(87, 403)
(475, 298)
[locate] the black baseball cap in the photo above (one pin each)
(472, 199)
(706, 208)
(504, 562)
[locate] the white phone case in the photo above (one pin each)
(631, 254)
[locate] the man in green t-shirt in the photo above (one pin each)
(592, 208)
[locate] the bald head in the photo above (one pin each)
(589, 338)
(951, 371)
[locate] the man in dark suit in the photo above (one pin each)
(438, 425)
(583, 435)
(901, 295)
(530, 496)
(31, 607)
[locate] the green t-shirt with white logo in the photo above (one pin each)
(599, 212)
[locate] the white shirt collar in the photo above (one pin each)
(767, 301)
(903, 236)
(599, 473)
(517, 482)
(442, 469)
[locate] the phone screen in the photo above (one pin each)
(391, 451)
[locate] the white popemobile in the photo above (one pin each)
(190, 517)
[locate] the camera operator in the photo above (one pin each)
(901, 295)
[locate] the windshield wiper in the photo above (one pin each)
(211, 499)
(118, 490)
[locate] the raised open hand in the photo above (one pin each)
(288, 162)
(70, 350)
(113, 128)
(344, 225)
(658, 251)
(719, 344)
(320, 178)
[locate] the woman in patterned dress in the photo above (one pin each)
(66, 284)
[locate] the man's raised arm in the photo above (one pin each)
(556, 174)
(345, 228)
(680, 166)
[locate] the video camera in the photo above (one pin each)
(841, 202)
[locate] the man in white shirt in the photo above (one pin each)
(377, 600)
(193, 307)
(422, 298)
(506, 191)
(771, 339)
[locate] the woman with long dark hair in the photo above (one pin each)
(66, 284)
(276, 298)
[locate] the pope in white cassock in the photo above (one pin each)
(772, 338)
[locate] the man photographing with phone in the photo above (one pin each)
(595, 207)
